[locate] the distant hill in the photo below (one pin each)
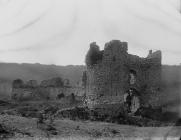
(39, 72)
(171, 75)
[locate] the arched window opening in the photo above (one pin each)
(132, 77)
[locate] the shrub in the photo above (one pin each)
(93, 55)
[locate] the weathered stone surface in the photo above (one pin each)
(116, 71)
(54, 82)
(40, 93)
(32, 83)
(48, 90)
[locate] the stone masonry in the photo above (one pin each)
(112, 71)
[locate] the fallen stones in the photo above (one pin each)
(4, 132)
(96, 115)
(149, 112)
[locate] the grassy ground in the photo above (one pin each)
(26, 127)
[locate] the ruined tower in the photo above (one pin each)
(112, 71)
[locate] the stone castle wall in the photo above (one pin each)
(108, 76)
(50, 93)
(50, 89)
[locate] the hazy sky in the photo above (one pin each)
(60, 31)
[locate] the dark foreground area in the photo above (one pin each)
(61, 120)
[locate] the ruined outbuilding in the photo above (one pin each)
(113, 71)
(50, 89)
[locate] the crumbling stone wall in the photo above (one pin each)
(48, 89)
(39, 93)
(109, 76)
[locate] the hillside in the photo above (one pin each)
(171, 75)
(39, 72)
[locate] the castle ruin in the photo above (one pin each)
(113, 71)
(50, 89)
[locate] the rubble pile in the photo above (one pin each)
(144, 116)
(4, 132)
(121, 117)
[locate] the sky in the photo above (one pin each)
(59, 31)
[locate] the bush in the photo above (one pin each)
(93, 55)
